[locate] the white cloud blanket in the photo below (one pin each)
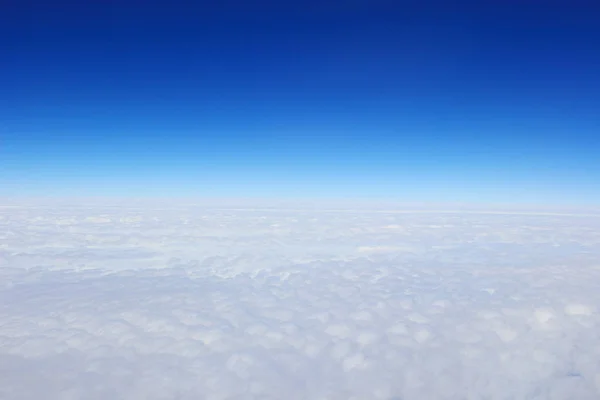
(196, 302)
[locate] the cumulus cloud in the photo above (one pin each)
(188, 302)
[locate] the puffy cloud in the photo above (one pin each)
(196, 302)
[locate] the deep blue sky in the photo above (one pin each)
(494, 102)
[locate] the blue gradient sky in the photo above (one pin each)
(494, 103)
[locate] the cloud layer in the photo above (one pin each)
(198, 302)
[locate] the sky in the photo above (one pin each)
(494, 102)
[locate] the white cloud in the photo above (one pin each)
(195, 302)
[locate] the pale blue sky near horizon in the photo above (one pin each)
(477, 104)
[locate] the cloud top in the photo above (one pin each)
(198, 302)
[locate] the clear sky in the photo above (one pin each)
(498, 102)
